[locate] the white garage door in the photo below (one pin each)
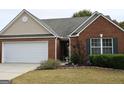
(24, 52)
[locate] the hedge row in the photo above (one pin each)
(110, 61)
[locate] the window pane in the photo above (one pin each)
(95, 42)
(107, 42)
(96, 46)
(107, 50)
(95, 50)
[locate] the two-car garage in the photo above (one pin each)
(24, 51)
(26, 39)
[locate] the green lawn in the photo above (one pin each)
(72, 76)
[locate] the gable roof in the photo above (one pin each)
(64, 27)
(32, 16)
(84, 24)
(90, 20)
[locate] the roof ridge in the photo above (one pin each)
(64, 18)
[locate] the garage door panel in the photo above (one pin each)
(25, 52)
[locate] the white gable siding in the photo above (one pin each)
(22, 28)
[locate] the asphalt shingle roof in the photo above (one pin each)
(64, 26)
(85, 24)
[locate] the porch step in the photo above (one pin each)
(5, 82)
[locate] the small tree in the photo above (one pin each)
(79, 55)
(82, 13)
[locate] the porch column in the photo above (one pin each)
(101, 43)
(56, 48)
(69, 47)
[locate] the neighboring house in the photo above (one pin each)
(28, 39)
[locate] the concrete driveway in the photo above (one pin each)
(10, 71)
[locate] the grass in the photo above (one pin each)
(85, 75)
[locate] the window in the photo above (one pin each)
(95, 46)
(107, 46)
(101, 46)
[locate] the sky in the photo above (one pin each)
(59, 8)
(6, 15)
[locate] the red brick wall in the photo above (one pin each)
(51, 45)
(101, 26)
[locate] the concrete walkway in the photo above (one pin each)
(10, 71)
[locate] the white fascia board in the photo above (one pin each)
(9, 24)
(97, 18)
(39, 22)
(84, 22)
(112, 22)
(88, 24)
(73, 36)
(24, 37)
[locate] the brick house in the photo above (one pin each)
(28, 39)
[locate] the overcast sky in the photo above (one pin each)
(59, 8)
(6, 15)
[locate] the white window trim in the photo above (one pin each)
(93, 46)
(101, 45)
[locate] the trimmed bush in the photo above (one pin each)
(49, 64)
(110, 61)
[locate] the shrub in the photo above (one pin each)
(76, 59)
(49, 64)
(79, 55)
(111, 61)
